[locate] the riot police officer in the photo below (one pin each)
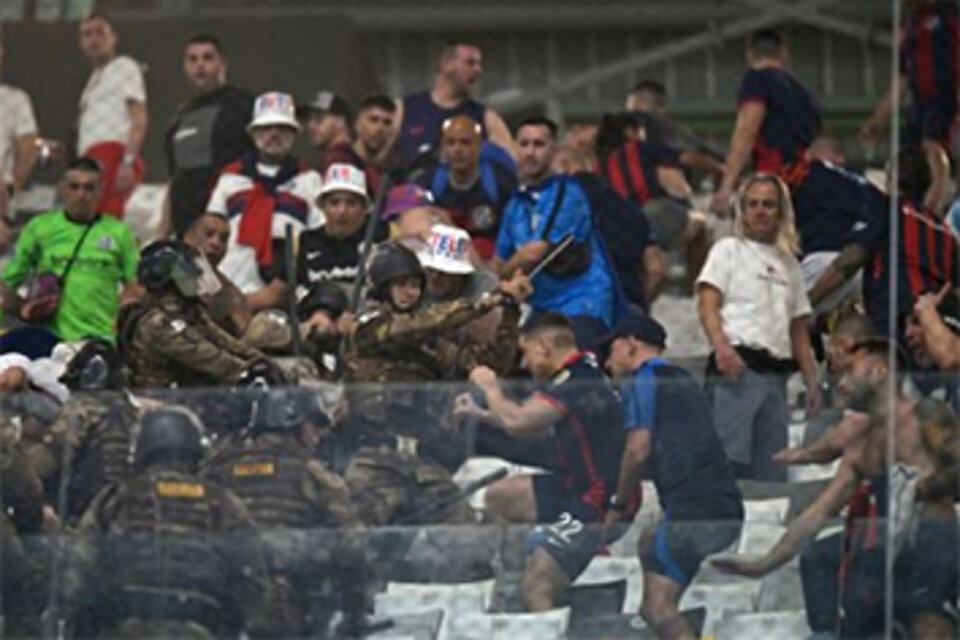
(168, 338)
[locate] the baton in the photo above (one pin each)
(545, 261)
(385, 184)
(465, 492)
(291, 272)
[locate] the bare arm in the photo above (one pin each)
(654, 273)
(138, 126)
(498, 132)
(524, 258)
(881, 114)
(635, 454)
(674, 182)
(844, 266)
(827, 505)
(269, 297)
(9, 299)
(24, 160)
(749, 119)
(708, 308)
(803, 352)
(700, 161)
(831, 444)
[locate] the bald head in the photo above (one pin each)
(460, 140)
(827, 149)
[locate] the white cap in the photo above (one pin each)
(274, 108)
(447, 250)
(344, 177)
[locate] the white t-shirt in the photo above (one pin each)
(762, 289)
(103, 103)
(296, 205)
(16, 121)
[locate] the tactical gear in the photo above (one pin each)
(168, 433)
(325, 296)
(281, 409)
(169, 262)
(393, 261)
(96, 367)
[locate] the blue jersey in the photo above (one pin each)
(525, 217)
(590, 436)
(687, 457)
(832, 205)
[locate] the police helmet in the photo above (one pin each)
(324, 296)
(282, 409)
(95, 367)
(169, 262)
(168, 433)
(393, 261)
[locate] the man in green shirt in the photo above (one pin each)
(106, 258)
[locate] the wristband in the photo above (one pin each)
(613, 505)
(129, 158)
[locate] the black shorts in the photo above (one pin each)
(570, 530)
(929, 120)
(688, 533)
(925, 580)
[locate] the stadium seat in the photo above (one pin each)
(783, 625)
(549, 625)
(417, 626)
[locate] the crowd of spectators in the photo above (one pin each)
(427, 241)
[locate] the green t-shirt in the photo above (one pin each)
(90, 297)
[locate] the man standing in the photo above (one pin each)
(420, 115)
(18, 136)
(261, 193)
(113, 113)
(546, 210)
(207, 132)
(777, 117)
(669, 426)
(578, 403)
(471, 188)
(88, 253)
(327, 120)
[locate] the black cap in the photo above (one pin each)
(643, 328)
(324, 102)
(949, 310)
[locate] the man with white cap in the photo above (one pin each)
(332, 252)
(261, 194)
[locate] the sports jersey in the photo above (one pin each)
(293, 189)
(322, 258)
(632, 170)
(106, 259)
(686, 453)
(590, 435)
(419, 131)
(791, 121)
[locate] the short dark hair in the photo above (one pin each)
(540, 121)
(913, 173)
(450, 47)
(84, 163)
(880, 347)
(651, 86)
(557, 325)
(206, 38)
(767, 43)
(857, 325)
(96, 15)
(378, 101)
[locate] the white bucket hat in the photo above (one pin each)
(345, 177)
(274, 108)
(447, 250)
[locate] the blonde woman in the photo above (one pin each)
(753, 308)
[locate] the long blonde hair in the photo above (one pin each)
(787, 239)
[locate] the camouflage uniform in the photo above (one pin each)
(94, 430)
(20, 489)
(302, 508)
(396, 483)
(167, 339)
(167, 554)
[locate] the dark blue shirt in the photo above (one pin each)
(590, 436)
(792, 119)
(422, 119)
(687, 457)
(832, 206)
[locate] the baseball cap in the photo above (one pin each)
(404, 197)
(325, 102)
(447, 250)
(344, 177)
(643, 328)
(949, 310)
(274, 108)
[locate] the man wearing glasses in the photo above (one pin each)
(76, 263)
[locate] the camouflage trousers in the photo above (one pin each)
(138, 629)
(389, 487)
